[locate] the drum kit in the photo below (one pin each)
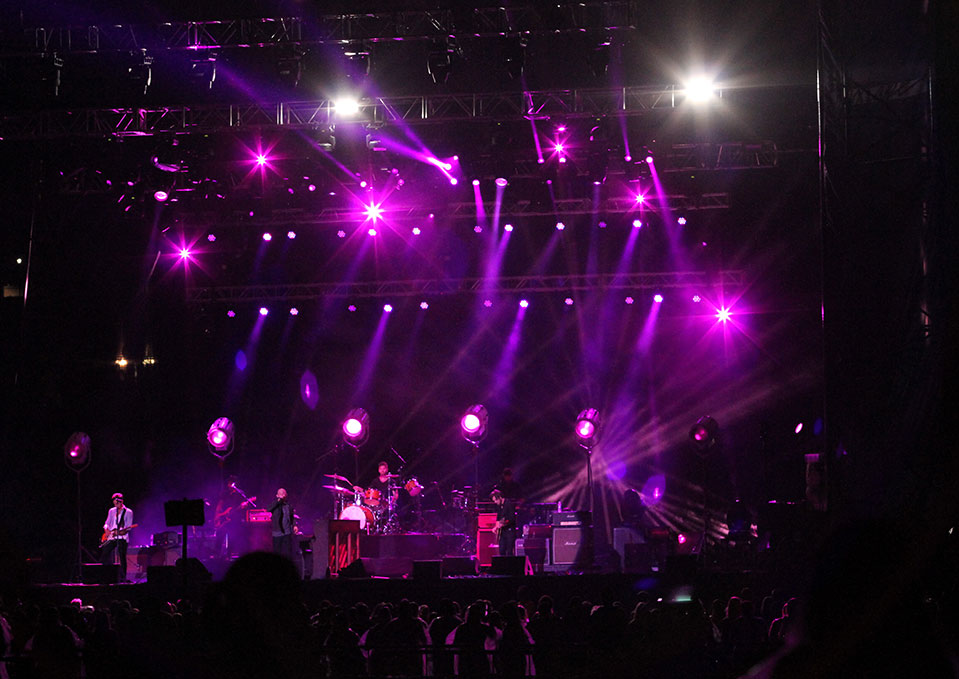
(377, 515)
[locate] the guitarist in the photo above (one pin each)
(228, 518)
(116, 531)
(505, 529)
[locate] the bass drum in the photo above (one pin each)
(358, 513)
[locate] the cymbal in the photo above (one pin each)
(339, 489)
(337, 477)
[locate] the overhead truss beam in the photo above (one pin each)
(237, 294)
(520, 19)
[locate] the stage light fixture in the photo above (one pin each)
(705, 432)
(439, 61)
(220, 437)
(699, 89)
(587, 427)
(76, 451)
(356, 427)
(203, 72)
(474, 423)
(140, 71)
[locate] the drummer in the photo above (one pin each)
(377, 493)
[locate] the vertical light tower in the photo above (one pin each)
(587, 431)
(356, 432)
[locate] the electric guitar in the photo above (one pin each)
(115, 533)
(498, 528)
(223, 517)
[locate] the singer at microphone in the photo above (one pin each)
(282, 524)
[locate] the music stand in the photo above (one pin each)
(184, 513)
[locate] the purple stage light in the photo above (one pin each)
(658, 298)
(558, 148)
(629, 300)
(653, 490)
(474, 422)
(649, 159)
(640, 198)
(309, 390)
(587, 427)
(264, 311)
(371, 231)
(508, 228)
(476, 182)
(637, 224)
(261, 159)
(487, 303)
(562, 159)
(290, 190)
(561, 128)
(267, 236)
(356, 427)
(568, 301)
(601, 224)
(616, 470)
(681, 539)
(230, 313)
(211, 237)
(240, 361)
(311, 188)
(416, 231)
(291, 234)
(341, 234)
(294, 311)
(424, 305)
(705, 432)
(373, 211)
(723, 314)
(478, 229)
(454, 181)
(524, 303)
(560, 226)
(798, 428)
(704, 244)
(220, 434)
(388, 308)
(351, 308)
(352, 427)
(697, 299)
(184, 253)
(363, 184)
(160, 195)
(501, 182)
(681, 221)
(628, 158)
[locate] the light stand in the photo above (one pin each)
(76, 455)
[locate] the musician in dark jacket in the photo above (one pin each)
(282, 525)
(505, 522)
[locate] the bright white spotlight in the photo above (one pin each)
(699, 89)
(587, 427)
(356, 427)
(346, 106)
(474, 422)
(220, 436)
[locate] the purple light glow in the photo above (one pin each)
(211, 237)
(561, 128)
(558, 148)
(352, 427)
(311, 188)
(267, 236)
(560, 226)
(697, 299)
(294, 311)
(628, 158)
(476, 182)
(424, 305)
(501, 182)
(508, 228)
(640, 198)
(724, 314)
(585, 429)
(363, 184)
(230, 313)
(261, 159)
(416, 231)
(478, 229)
(658, 298)
(160, 195)
(681, 221)
(524, 303)
(681, 539)
(388, 308)
(568, 301)
(487, 303)
(351, 308)
(562, 159)
(649, 159)
(637, 224)
(454, 181)
(264, 311)
(798, 428)
(373, 212)
(629, 300)
(184, 253)
(616, 471)
(653, 490)
(470, 423)
(309, 390)
(217, 437)
(290, 190)
(291, 234)
(341, 234)
(239, 360)
(371, 231)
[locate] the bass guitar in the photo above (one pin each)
(115, 533)
(223, 517)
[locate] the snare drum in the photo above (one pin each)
(358, 513)
(413, 487)
(372, 497)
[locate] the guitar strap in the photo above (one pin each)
(120, 520)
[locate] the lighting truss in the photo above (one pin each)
(728, 279)
(428, 24)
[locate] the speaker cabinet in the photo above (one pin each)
(536, 549)
(486, 547)
(573, 546)
(459, 565)
(427, 570)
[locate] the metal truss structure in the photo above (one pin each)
(429, 24)
(237, 294)
(321, 114)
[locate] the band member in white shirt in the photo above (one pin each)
(116, 533)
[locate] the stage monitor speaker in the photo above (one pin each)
(195, 570)
(427, 570)
(356, 569)
(99, 574)
(511, 565)
(459, 565)
(573, 546)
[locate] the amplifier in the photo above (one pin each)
(573, 546)
(486, 520)
(168, 538)
(258, 515)
(537, 550)
(572, 518)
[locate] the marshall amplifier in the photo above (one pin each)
(573, 518)
(573, 546)
(258, 515)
